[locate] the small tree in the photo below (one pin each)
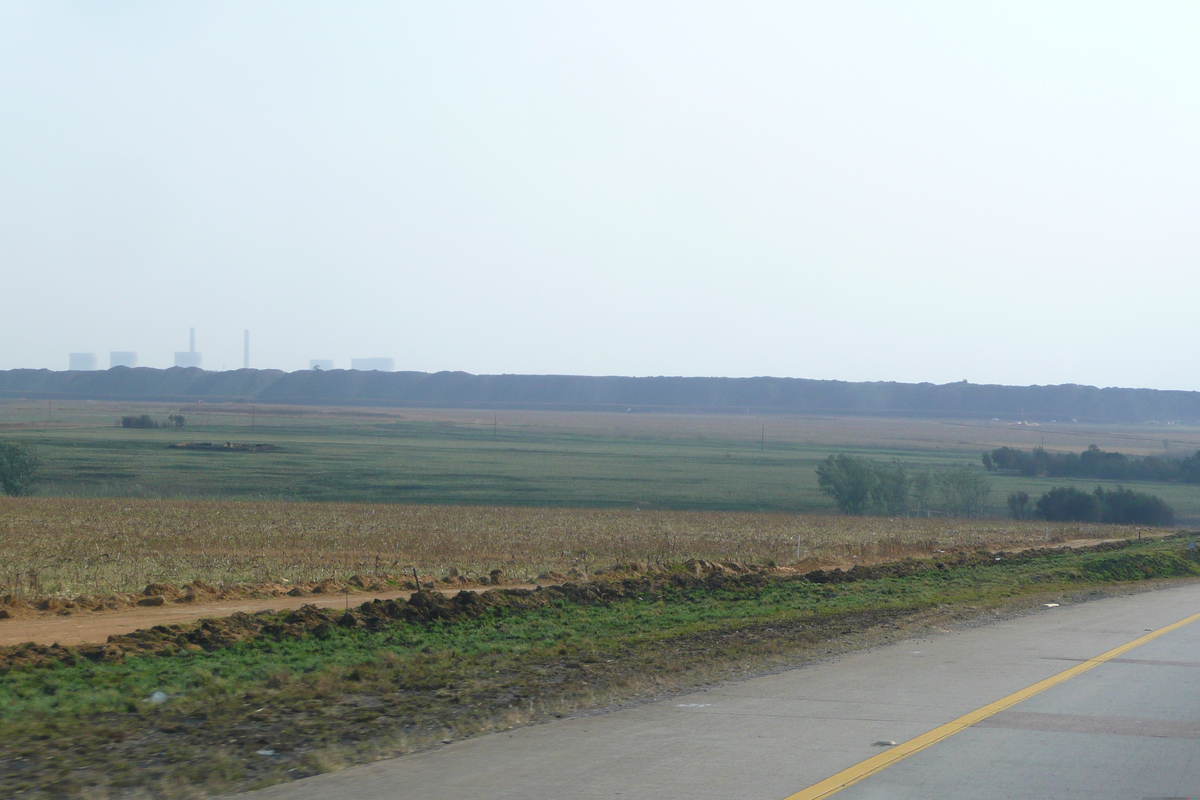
(964, 492)
(921, 492)
(849, 480)
(18, 464)
(889, 492)
(1018, 505)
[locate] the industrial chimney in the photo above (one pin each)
(191, 358)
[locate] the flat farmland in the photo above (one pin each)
(61, 546)
(376, 493)
(530, 459)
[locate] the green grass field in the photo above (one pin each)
(575, 459)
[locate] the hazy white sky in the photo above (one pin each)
(1003, 192)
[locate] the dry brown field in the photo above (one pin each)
(55, 546)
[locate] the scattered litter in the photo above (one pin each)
(883, 743)
(997, 558)
(264, 752)
(1050, 605)
(157, 698)
(694, 705)
(917, 653)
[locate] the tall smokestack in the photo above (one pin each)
(246, 349)
(192, 340)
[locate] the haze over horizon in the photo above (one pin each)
(1002, 193)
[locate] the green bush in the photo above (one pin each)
(1116, 506)
(19, 463)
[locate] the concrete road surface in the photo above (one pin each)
(1125, 728)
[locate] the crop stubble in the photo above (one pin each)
(95, 546)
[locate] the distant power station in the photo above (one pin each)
(82, 362)
(191, 358)
(380, 364)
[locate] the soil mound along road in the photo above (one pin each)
(80, 620)
(85, 620)
(162, 628)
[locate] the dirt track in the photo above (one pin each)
(96, 627)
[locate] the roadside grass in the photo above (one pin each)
(280, 707)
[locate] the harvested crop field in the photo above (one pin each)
(69, 547)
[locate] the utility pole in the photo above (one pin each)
(495, 421)
(763, 440)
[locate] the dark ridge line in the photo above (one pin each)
(759, 395)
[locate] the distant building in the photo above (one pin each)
(191, 358)
(122, 358)
(320, 363)
(380, 364)
(82, 362)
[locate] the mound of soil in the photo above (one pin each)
(159, 594)
(431, 606)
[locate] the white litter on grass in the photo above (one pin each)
(157, 698)
(883, 743)
(264, 752)
(693, 705)
(1050, 605)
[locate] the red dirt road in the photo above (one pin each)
(96, 627)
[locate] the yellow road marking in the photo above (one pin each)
(864, 769)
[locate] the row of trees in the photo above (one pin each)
(1094, 463)
(1117, 506)
(863, 486)
(19, 463)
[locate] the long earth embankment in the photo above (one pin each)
(601, 393)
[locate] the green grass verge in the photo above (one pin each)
(343, 691)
